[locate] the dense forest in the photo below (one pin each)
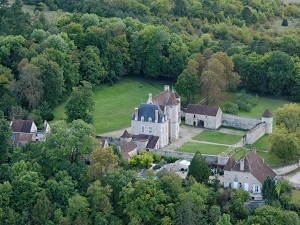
(201, 45)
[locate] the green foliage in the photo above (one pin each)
(241, 194)
(199, 169)
(268, 189)
(230, 107)
(80, 104)
(224, 220)
(245, 101)
(143, 160)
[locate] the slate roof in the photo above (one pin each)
(125, 134)
(152, 142)
(267, 114)
(127, 147)
(166, 98)
(21, 126)
(148, 110)
(202, 109)
(253, 164)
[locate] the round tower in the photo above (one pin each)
(267, 117)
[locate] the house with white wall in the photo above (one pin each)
(248, 173)
(203, 116)
(157, 120)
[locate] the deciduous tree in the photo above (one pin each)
(81, 103)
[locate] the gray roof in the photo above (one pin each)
(202, 109)
(148, 110)
(22, 126)
(267, 114)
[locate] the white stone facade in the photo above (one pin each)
(242, 180)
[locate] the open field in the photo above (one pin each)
(264, 103)
(218, 137)
(193, 147)
(51, 16)
(270, 159)
(261, 144)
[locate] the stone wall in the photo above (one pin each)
(210, 159)
(241, 122)
(255, 133)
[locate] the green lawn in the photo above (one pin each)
(264, 103)
(295, 197)
(217, 137)
(270, 159)
(261, 144)
(193, 147)
(114, 105)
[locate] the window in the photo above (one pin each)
(143, 129)
(194, 116)
(256, 188)
(149, 119)
(150, 130)
(142, 119)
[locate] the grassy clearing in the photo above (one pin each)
(218, 137)
(264, 103)
(270, 159)
(51, 16)
(193, 147)
(295, 199)
(261, 144)
(114, 105)
(59, 112)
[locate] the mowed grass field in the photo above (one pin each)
(193, 147)
(261, 144)
(218, 137)
(114, 105)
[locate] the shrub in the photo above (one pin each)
(245, 101)
(230, 107)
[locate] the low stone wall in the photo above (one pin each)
(255, 133)
(210, 159)
(241, 122)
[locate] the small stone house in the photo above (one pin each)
(128, 149)
(248, 173)
(203, 116)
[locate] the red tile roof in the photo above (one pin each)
(253, 164)
(165, 98)
(127, 147)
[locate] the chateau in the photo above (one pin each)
(157, 120)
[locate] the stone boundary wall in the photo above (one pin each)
(255, 133)
(286, 169)
(210, 159)
(241, 122)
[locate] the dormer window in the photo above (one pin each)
(142, 119)
(149, 119)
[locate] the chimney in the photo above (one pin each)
(167, 88)
(136, 112)
(150, 99)
(156, 116)
(242, 164)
